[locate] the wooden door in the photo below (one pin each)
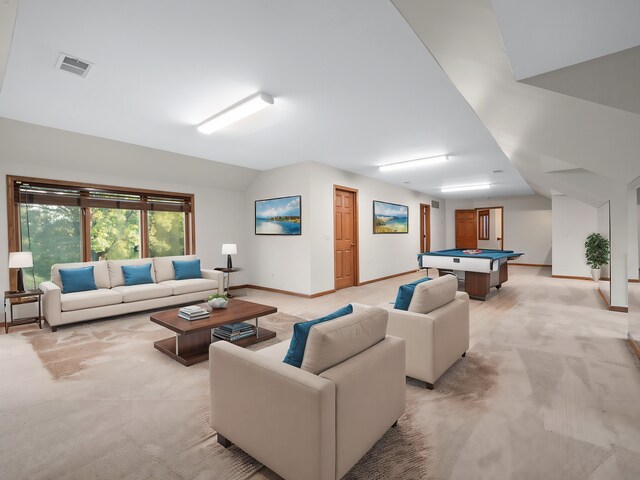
(466, 229)
(425, 228)
(346, 237)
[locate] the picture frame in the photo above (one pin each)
(278, 216)
(390, 218)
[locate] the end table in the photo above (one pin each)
(22, 298)
(228, 278)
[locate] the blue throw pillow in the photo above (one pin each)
(405, 294)
(77, 279)
(301, 333)
(137, 274)
(187, 269)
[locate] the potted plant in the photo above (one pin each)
(217, 301)
(597, 253)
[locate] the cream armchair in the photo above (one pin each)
(437, 338)
(317, 421)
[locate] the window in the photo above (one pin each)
(61, 222)
(166, 234)
(52, 234)
(115, 234)
(483, 225)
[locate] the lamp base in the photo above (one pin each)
(20, 285)
(229, 264)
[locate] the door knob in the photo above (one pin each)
(353, 244)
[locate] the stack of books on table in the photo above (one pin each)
(193, 312)
(234, 331)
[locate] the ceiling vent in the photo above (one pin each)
(73, 65)
(435, 204)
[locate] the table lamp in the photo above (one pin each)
(229, 249)
(20, 260)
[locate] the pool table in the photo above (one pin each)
(479, 272)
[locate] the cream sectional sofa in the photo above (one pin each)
(314, 422)
(114, 298)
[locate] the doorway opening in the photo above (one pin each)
(490, 228)
(345, 234)
(425, 228)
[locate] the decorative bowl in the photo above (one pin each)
(218, 302)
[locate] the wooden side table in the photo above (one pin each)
(228, 278)
(22, 298)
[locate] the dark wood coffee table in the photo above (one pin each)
(192, 340)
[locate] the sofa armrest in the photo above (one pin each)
(370, 397)
(281, 415)
(51, 303)
(214, 275)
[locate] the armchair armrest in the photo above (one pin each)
(359, 307)
(51, 303)
(281, 415)
(214, 275)
(370, 397)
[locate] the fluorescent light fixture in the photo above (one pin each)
(464, 188)
(250, 105)
(414, 163)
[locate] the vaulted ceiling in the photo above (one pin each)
(354, 87)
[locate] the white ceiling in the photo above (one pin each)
(545, 35)
(354, 87)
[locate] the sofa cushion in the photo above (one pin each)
(186, 269)
(135, 293)
(137, 274)
(89, 299)
(301, 330)
(100, 272)
(191, 285)
(163, 266)
(405, 294)
(331, 343)
(77, 279)
(434, 294)
(116, 275)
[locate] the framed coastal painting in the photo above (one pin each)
(390, 217)
(279, 216)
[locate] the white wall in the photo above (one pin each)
(573, 221)
(280, 262)
(305, 264)
(29, 150)
(380, 254)
(604, 230)
(633, 243)
(638, 225)
(527, 225)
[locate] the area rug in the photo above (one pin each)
(114, 407)
(103, 403)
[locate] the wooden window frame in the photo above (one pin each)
(85, 202)
(484, 216)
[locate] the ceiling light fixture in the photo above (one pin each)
(414, 163)
(252, 104)
(464, 188)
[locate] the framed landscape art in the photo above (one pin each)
(279, 216)
(390, 217)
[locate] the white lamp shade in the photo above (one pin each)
(229, 249)
(20, 260)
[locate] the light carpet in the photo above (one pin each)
(103, 403)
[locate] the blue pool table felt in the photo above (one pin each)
(486, 253)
